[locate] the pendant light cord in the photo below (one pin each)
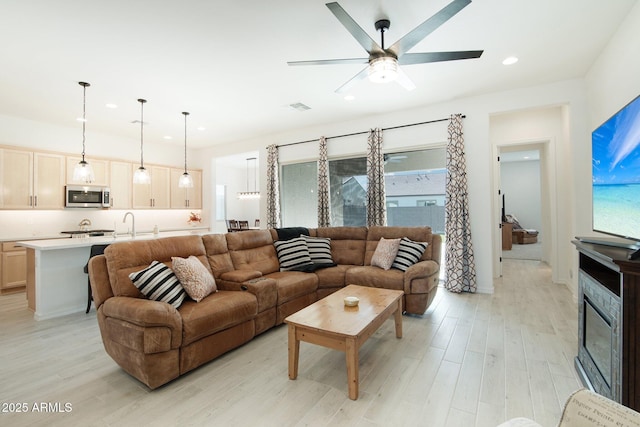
(141, 101)
(185, 141)
(84, 114)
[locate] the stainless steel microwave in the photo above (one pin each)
(87, 196)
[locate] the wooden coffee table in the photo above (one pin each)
(329, 323)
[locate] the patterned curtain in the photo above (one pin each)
(324, 211)
(376, 209)
(273, 188)
(461, 269)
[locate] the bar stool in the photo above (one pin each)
(95, 250)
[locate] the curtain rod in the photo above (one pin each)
(365, 132)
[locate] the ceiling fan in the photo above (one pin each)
(383, 63)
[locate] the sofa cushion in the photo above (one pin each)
(417, 234)
(409, 252)
(292, 253)
(367, 275)
(293, 284)
(332, 277)
(157, 282)
(216, 312)
(347, 243)
(253, 250)
(319, 249)
(124, 258)
(194, 277)
(385, 253)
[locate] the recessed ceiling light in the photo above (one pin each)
(510, 60)
(201, 128)
(167, 137)
(80, 119)
(349, 98)
(111, 106)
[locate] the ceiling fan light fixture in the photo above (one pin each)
(383, 70)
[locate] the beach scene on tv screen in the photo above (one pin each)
(616, 173)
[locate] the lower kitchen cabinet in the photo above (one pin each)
(13, 268)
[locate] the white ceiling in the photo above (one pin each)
(225, 62)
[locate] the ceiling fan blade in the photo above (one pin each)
(423, 58)
(356, 31)
(355, 79)
(416, 35)
(331, 61)
(404, 80)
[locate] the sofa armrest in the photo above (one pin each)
(263, 288)
(419, 270)
(143, 313)
(240, 276)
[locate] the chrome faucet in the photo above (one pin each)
(133, 223)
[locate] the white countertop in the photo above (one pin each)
(68, 243)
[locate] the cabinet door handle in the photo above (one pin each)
(30, 200)
(35, 201)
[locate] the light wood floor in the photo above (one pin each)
(471, 360)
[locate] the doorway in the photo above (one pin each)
(520, 185)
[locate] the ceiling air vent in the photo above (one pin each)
(299, 106)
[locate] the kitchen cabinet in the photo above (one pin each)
(100, 170)
(121, 179)
(31, 180)
(186, 198)
(155, 195)
(13, 268)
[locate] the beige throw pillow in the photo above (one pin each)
(194, 277)
(385, 253)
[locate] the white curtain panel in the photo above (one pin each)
(460, 265)
(273, 187)
(376, 208)
(324, 207)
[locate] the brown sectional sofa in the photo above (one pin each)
(156, 343)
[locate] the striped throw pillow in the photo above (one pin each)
(319, 249)
(292, 253)
(157, 282)
(409, 252)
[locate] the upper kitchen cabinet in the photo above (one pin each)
(100, 170)
(31, 180)
(155, 195)
(186, 198)
(120, 185)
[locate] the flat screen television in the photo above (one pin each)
(616, 176)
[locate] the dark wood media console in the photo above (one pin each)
(611, 283)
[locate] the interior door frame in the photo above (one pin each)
(548, 196)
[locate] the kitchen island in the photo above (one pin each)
(56, 281)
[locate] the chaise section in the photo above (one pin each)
(419, 282)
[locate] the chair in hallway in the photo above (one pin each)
(95, 250)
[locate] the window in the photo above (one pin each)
(298, 196)
(414, 183)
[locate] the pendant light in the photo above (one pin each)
(83, 171)
(141, 176)
(185, 179)
(255, 194)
